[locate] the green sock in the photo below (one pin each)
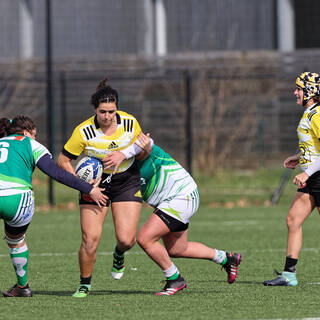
(20, 259)
(174, 276)
(224, 261)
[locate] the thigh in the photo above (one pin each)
(153, 229)
(92, 219)
(126, 216)
(176, 241)
(301, 207)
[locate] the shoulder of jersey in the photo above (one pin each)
(128, 121)
(87, 122)
(314, 111)
(123, 114)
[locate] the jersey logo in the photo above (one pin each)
(138, 194)
(19, 138)
(89, 132)
(112, 145)
(128, 125)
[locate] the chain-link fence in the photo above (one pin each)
(205, 97)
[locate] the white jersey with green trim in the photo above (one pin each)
(309, 134)
(18, 158)
(163, 178)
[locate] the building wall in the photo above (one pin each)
(98, 27)
(243, 113)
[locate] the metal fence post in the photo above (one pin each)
(188, 123)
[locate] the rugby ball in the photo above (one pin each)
(89, 168)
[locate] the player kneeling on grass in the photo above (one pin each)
(307, 196)
(19, 154)
(170, 189)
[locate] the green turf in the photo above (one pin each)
(259, 233)
(224, 189)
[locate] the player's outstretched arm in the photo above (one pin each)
(96, 194)
(49, 167)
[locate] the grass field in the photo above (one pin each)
(258, 232)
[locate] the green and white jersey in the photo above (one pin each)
(163, 178)
(18, 158)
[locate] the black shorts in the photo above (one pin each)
(15, 230)
(313, 187)
(173, 224)
(124, 186)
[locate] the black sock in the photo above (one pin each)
(85, 280)
(290, 265)
(118, 252)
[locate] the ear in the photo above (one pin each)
(28, 134)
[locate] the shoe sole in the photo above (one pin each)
(166, 293)
(80, 297)
(5, 295)
(281, 285)
(8, 295)
(116, 275)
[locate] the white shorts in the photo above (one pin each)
(24, 211)
(181, 207)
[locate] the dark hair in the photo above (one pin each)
(4, 127)
(16, 125)
(316, 99)
(104, 93)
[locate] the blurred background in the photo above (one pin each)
(211, 80)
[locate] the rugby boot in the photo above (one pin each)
(172, 287)
(232, 266)
(284, 279)
(82, 291)
(17, 291)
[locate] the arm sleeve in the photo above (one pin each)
(49, 167)
(134, 149)
(315, 125)
(131, 151)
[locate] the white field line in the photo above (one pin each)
(61, 254)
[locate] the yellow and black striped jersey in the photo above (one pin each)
(87, 137)
(309, 134)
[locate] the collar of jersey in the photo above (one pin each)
(97, 124)
(312, 107)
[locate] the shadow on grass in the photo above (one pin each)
(236, 282)
(134, 292)
(94, 292)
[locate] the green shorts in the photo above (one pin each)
(17, 209)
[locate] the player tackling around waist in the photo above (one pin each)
(174, 195)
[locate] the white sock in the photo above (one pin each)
(171, 271)
(219, 256)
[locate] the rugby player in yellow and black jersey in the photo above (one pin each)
(108, 130)
(307, 197)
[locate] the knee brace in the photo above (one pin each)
(14, 241)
